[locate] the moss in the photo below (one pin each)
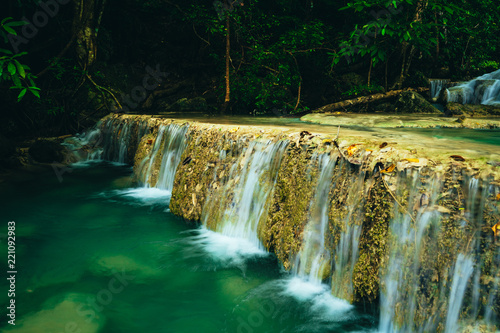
(211, 165)
(373, 242)
(289, 207)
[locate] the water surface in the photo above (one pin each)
(95, 254)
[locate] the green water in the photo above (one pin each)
(92, 255)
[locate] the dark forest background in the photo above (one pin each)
(75, 61)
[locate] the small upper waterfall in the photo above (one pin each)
(237, 207)
(484, 89)
(436, 86)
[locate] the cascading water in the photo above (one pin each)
(436, 86)
(408, 246)
(158, 168)
(314, 258)
(239, 205)
(431, 267)
(347, 250)
(116, 140)
(174, 146)
(482, 90)
(439, 265)
(110, 140)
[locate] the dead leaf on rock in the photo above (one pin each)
(351, 149)
(496, 229)
(411, 160)
(384, 144)
(389, 169)
(498, 197)
(457, 158)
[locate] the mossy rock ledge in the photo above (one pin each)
(373, 183)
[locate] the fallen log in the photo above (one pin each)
(365, 99)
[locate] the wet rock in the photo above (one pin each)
(412, 102)
(136, 270)
(457, 109)
(70, 313)
(193, 104)
(46, 151)
(351, 80)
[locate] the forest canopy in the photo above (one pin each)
(65, 62)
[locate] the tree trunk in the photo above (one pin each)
(86, 22)
(364, 99)
(406, 60)
(227, 98)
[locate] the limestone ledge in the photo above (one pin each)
(368, 178)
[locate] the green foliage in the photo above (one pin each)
(266, 59)
(11, 70)
(465, 33)
(363, 90)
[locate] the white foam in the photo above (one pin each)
(223, 248)
(143, 196)
(323, 302)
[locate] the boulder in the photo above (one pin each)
(46, 151)
(457, 109)
(351, 80)
(193, 104)
(412, 102)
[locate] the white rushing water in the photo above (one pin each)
(242, 201)
(174, 144)
(313, 257)
(108, 140)
(436, 86)
(400, 281)
(464, 267)
(484, 89)
(164, 157)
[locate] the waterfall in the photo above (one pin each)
(482, 90)
(238, 206)
(158, 168)
(411, 240)
(463, 270)
(313, 259)
(436, 86)
(347, 250)
(112, 139)
(419, 236)
(417, 294)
